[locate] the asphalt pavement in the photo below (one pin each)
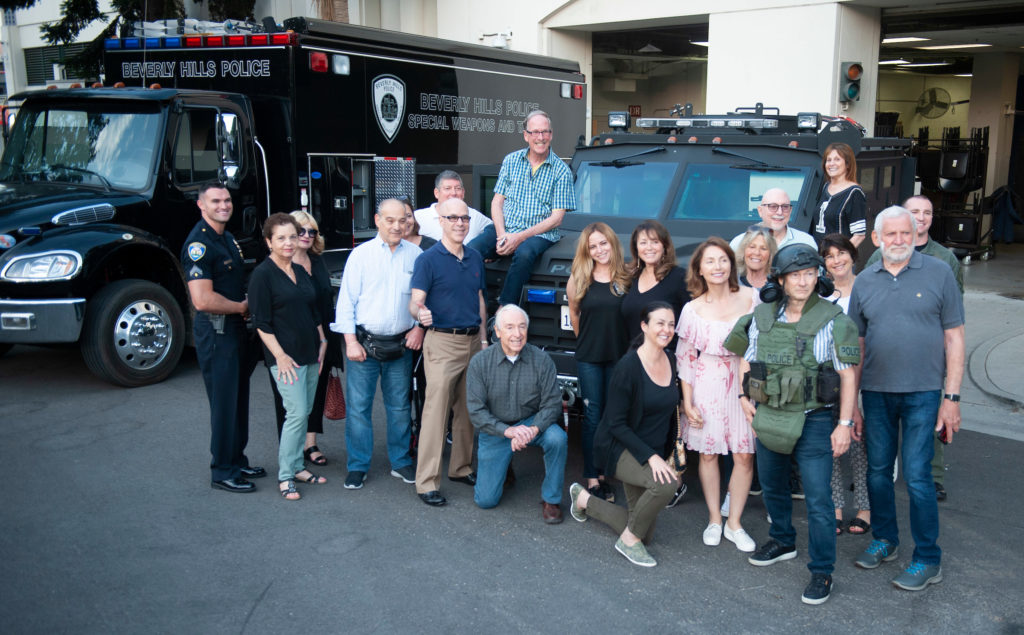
(109, 525)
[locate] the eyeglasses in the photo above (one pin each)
(312, 233)
(453, 219)
(538, 133)
(774, 207)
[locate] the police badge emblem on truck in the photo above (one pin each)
(388, 94)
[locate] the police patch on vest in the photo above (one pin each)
(388, 95)
(785, 358)
(196, 251)
(849, 351)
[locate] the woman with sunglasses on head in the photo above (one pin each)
(307, 254)
(595, 289)
(842, 206)
(754, 256)
(286, 312)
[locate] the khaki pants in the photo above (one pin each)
(445, 359)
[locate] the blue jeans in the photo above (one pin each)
(522, 261)
(298, 403)
(884, 412)
(594, 380)
(813, 454)
(360, 387)
(493, 455)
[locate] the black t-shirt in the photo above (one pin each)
(602, 335)
(286, 309)
(671, 289)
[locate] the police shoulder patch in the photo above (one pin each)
(196, 251)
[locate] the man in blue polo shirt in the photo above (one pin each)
(910, 315)
(532, 195)
(448, 300)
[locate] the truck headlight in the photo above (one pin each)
(43, 267)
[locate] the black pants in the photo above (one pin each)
(226, 364)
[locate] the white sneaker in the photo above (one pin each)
(725, 506)
(741, 539)
(713, 535)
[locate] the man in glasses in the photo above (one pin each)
(775, 210)
(532, 195)
(448, 184)
(448, 285)
(380, 336)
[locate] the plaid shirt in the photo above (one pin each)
(529, 197)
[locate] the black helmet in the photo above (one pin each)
(795, 257)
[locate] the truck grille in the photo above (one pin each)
(83, 215)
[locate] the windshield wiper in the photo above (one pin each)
(64, 166)
(765, 167)
(622, 162)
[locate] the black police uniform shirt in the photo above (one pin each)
(208, 255)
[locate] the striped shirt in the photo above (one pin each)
(530, 196)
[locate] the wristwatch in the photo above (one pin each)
(955, 398)
(846, 423)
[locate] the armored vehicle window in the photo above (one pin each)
(722, 192)
(866, 177)
(97, 144)
(195, 151)
(629, 189)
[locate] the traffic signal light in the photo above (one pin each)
(849, 81)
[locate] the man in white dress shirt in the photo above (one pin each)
(448, 184)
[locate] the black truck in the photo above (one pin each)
(700, 176)
(98, 185)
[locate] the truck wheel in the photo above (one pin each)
(133, 333)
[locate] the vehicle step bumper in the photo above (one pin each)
(41, 321)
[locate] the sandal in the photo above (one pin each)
(859, 523)
(308, 453)
(839, 526)
(290, 493)
(312, 478)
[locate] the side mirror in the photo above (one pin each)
(228, 148)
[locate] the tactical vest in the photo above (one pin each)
(790, 386)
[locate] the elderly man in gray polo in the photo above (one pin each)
(514, 402)
(910, 315)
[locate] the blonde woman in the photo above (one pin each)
(754, 256)
(597, 283)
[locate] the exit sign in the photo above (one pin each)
(634, 111)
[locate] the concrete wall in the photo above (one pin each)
(748, 62)
(994, 94)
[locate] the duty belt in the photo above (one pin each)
(473, 330)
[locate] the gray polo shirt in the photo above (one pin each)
(902, 319)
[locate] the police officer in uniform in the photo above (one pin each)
(216, 284)
(799, 355)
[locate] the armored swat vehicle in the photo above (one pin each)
(700, 176)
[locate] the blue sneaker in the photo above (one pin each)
(878, 551)
(918, 575)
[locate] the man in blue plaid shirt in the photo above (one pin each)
(532, 195)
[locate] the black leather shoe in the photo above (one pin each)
(433, 498)
(469, 479)
(239, 485)
(253, 472)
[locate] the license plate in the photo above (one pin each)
(566, 322)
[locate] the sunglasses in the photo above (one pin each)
(312, 233)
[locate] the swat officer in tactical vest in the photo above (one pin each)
(799, 355)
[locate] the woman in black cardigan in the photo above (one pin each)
(641, 407)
